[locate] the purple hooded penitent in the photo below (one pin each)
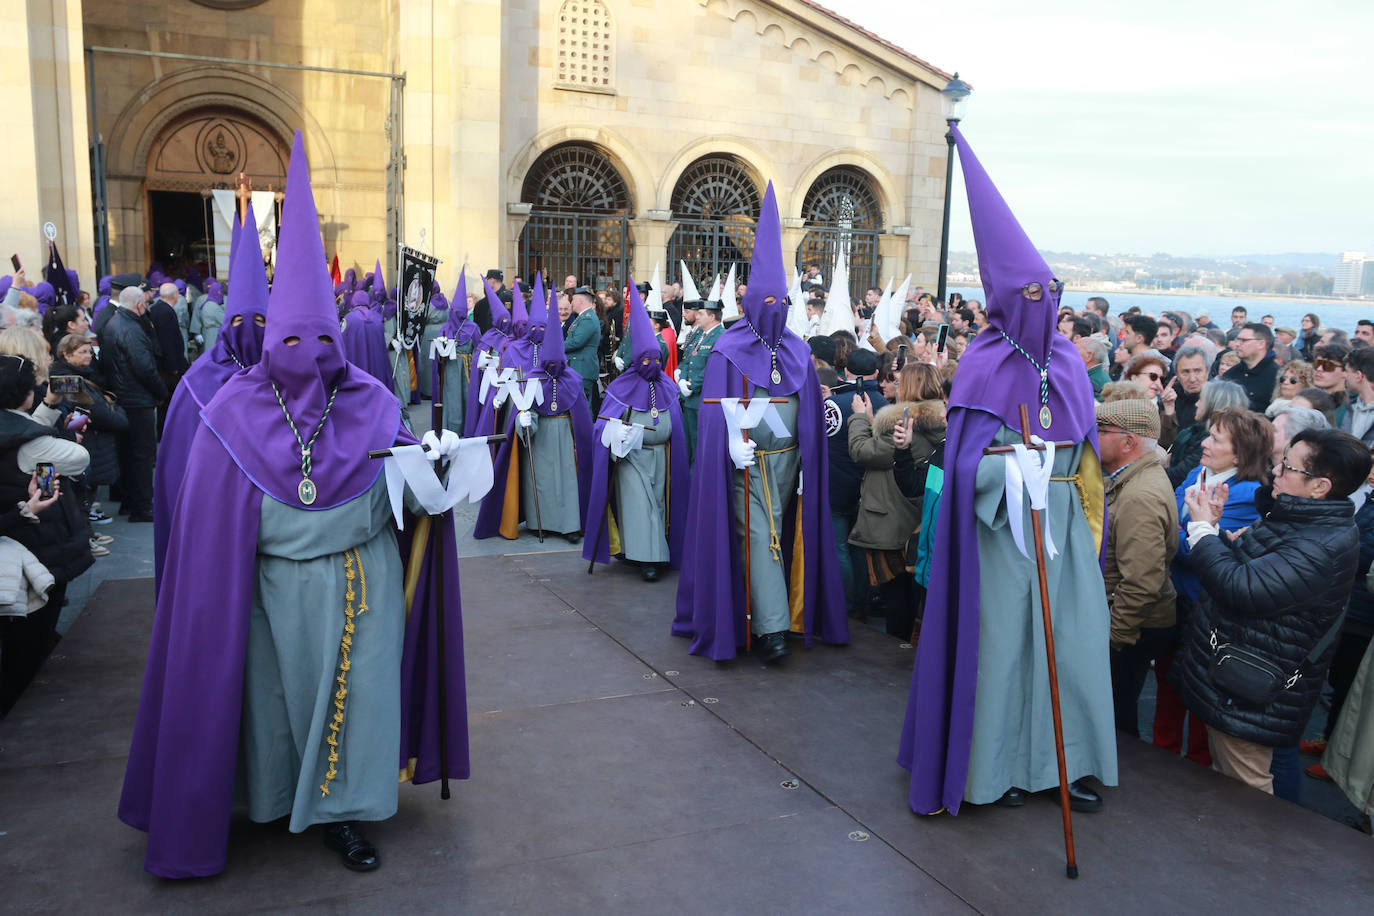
(179, 783)
(643, 386)
(238, 346)
(459, 327)
(528, 327)
(43, 292)
(710, 597)
(479, 419)
(562, 395)
(993, 381)
(364, 337)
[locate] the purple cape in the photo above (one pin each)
(992, 381)
(571, 401)
(179, 783)
(710, 595)
(364, 343)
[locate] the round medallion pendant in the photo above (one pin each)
(307, 492)
(653, 414)
(777, 377)
(553, 406)
(1045, 417)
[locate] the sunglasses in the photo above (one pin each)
(1291, 379)
(1152, 376)
(1326, 365)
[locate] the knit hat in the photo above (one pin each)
(1134, 415)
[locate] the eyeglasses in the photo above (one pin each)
(1326, 365)
(1245, 340)
(1291, 379)
(1034, 291)
(1285, 467)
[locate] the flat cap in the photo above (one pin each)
(1134, 415)
(124, 281)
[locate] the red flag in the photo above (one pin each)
(334, 271)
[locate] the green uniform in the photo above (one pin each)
(692, 368)
(626, 349)
(581, 346)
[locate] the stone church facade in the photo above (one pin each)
(595, 137)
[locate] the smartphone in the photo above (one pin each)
(65, 384)
(78, 420)
(47, 478)
(941, 338)
(14, 259)
(906, 413)
(900, 361)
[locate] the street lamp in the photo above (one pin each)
(953, 98)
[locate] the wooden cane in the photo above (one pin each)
(748, 532)
(1072, 861)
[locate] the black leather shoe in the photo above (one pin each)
(358, 854)
(573, 537)
(772, 646)
(1082, 798)
(1012, 798)
(649, 572)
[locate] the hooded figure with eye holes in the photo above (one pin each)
(978, 723)
(290, 671)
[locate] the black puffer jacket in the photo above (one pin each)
(128, 358)
(61, 539)
(1275, 591)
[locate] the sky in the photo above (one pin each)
(1206, 128)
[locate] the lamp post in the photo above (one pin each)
(952, 100)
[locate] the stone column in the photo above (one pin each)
(651, 236)
(46, 153)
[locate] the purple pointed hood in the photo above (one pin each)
(539, 311)
(993, 375)
(180, 284)
(350, 279)
(378, 283)
(646, 359)
(303, 373)
(248, 280)
(553, 359)
(214, 290)
(643, 385)
(103, 287)
(519, 312)
(765, 299)
(459, 326)
(500, 331)
(43, 292)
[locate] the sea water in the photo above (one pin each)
(1286, 312)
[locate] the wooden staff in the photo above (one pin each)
(386, 452)
(748, 596)
(436, 423)
(1039, 535)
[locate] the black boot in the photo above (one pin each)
(649, 572)
(771, 646)
(358, 854)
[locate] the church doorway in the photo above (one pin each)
(181, 231)
(195, 155)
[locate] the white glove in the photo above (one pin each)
(200, 339)
(685, 387)
(443, 446)
(677, 375)
(619, 364)
(524, 419)
(742, 453)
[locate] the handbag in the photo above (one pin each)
(1253, 680)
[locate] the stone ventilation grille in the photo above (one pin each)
(586, 52)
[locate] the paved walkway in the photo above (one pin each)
(613, 773)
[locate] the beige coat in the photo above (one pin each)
(886, 519)
(1142, 538)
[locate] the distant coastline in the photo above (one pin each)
(1229, 294)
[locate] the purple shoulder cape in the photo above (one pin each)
(599, 498)
(571, 401)
(710, 596)
(364, 343)
(179, 781)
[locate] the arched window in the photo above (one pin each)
(579, 221)
(716, 205)
(575, 176)
(843, 213)
(586, 47)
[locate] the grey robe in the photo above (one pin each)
(1013, 731)
(437, 319)
(555, 464)
(778, 462)
(641, 491)
(211, 315)
(293, 659)
(456, 376)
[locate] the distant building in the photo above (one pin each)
(1350, 274)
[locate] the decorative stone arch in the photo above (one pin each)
(576, 177)
(176, 95)
(755, 162)
(889, 197)
(621, 154)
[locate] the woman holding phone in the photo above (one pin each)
(1236, 452)
(60, 537)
